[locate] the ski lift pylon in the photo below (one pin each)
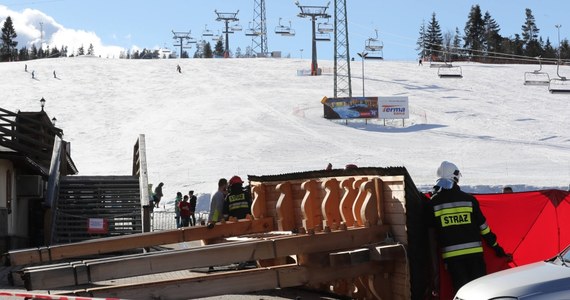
(537, 77)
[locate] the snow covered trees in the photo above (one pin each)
(8, 48)
(474, 31)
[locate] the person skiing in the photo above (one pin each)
(457, 224)
(178, 68)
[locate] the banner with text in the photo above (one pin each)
(351, 108)
(393, 108)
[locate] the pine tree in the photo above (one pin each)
(456, 44)
(208, 51)
(8, 42)
(219, 48)
(529, 29)
(238, 52)
(422, 41)
(81, 51)
(492, 38)
(34, 52)
(474, 31)
(565, 49)
(184, 54)
(91, 50)
(434, 37)
(549, 51)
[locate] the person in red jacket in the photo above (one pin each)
(184, 211)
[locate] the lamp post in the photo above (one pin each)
(42, 103)
(53, 120)
(301, 53)
(559, 45)
(363, 55)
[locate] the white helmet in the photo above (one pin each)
(448, 170)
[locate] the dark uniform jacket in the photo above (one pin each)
(459, 223)
(238, 202)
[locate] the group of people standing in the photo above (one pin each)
(231, 200)
(185, 208)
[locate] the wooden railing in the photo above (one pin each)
(27, 135)
(52, 195)
(140, 171)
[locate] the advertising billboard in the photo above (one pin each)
(393, 108)
(351, 108)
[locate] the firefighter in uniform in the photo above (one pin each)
(457, 224)
(238, 200)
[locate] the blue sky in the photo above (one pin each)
(148, 24)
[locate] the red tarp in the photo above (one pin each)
(533, 226)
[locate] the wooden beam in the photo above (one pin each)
(217, 254)
(134, 241)
(232, 282)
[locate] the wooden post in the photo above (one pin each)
(311, 205)
(258, 207)
(378, 189)
(347, 201)
(357, 203)
(368, 211)
(331, 204)
(284, 207)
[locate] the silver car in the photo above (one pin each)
(548, 280)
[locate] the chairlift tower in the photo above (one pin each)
(313, 12)
(227, 18)
(259, 39)
(342, 78)
(181, 37)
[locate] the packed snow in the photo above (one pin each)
(225, 117)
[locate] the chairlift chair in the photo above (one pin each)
(449, 72)
(375, 47)
(560, 84)
(250, 31)
(216, 37)
(207, 32)
(322, 37)
(325, 27)
(236, 27)
(281, 29)
(537, 77)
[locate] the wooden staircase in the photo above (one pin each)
(114, 199)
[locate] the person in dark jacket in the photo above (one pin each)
(192, 202)
(184, 207)
(238, 200)
(158, 194)
(457, 224)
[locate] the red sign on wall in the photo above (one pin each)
(97, 225)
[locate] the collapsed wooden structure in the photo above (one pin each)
(351, 232)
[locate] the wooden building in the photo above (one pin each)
(26, 147)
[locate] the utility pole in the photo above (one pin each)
(313, 12)
(181, 37)
(41, 35)
(363, 55)
(342, 77)
(227, 18)
(559, 43)
(259, 39)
